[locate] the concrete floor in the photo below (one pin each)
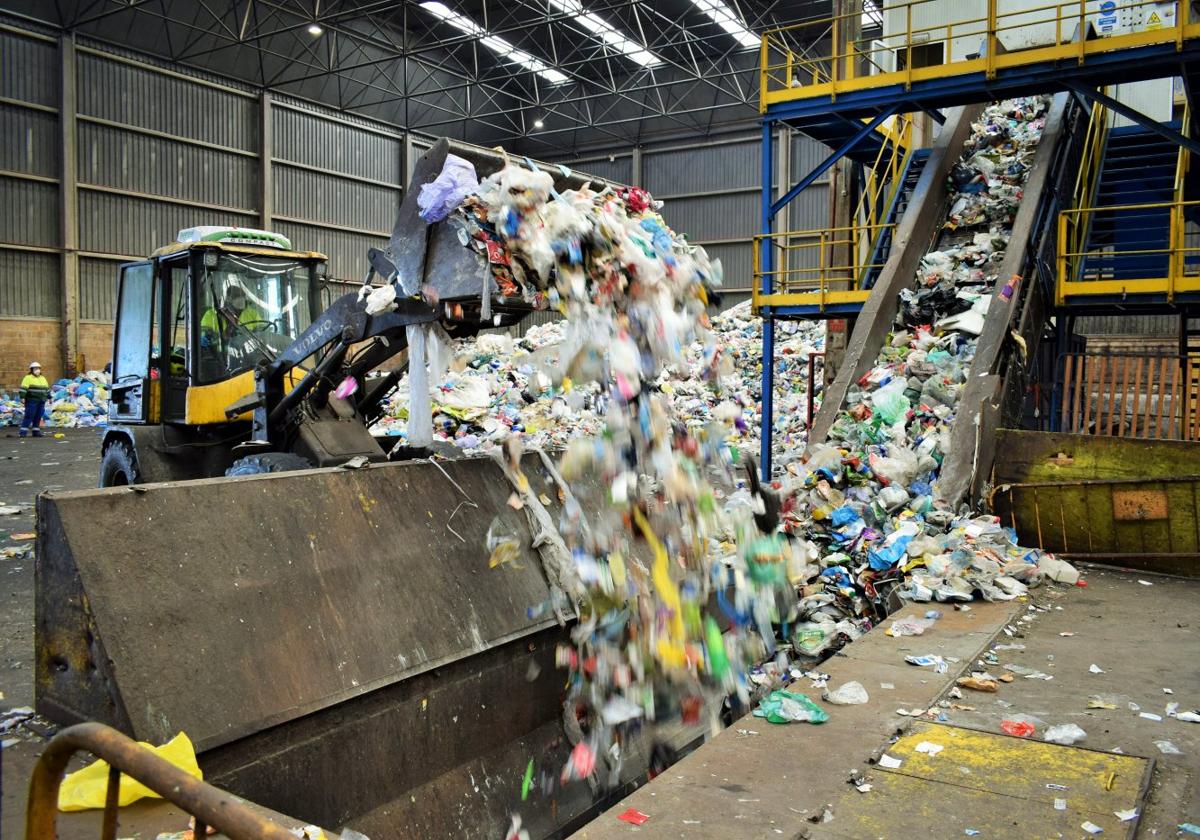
(27, 467)
(1145, 638)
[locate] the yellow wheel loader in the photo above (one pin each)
(223, 362)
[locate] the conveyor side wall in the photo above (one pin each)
(921, 223)
(993, 384)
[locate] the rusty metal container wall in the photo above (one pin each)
(340, 651)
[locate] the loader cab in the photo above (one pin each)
(194, 320)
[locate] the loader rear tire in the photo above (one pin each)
(268, 462)
(119, 466)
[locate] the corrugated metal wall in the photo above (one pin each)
(712, 193)
(158, 150)
(29, 172)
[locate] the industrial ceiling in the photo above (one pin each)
(550, 77)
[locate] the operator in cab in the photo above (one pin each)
(218, 323)
(227, 337)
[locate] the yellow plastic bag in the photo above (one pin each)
(86, 788)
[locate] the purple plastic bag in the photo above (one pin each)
(455, 182)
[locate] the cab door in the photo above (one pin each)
(132, 338)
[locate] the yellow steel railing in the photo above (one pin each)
(883, 176)
(1086, 179)
(1184, 161)
(819, 267)
(1179, 267)
(970, 44)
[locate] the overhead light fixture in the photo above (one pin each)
(495, 43)
(607, 33)
(724, 17)
(539, 124)
(315, 29)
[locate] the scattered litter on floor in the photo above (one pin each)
(633, 816)
(1091, 828)
(1064, 733)
(1168, 748)
(1096, 669)
(889, 762)
(1019, 728)
(929, 748)
(848, 694)
(1126, 815)
(789, 707)
(978, 683)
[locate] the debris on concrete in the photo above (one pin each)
(633, 816)
(1065, 733)
(848, 694)
(498, 386)
(74, 403)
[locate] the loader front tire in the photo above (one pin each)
(268, 462)
(119, 466)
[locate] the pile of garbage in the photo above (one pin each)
(863, 508)
(497, 386)
(74, 403)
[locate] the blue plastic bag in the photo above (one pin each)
(887, 556)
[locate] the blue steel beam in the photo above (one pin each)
(823, 167)
(1136, 116)
(766, 263)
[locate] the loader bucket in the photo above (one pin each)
(434, 252)
(333, 641)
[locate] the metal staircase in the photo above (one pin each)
(1137, 175)
(1130, 239)
(893, 214)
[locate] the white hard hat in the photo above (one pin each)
(35, 364)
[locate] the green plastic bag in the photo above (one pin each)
(787, 706)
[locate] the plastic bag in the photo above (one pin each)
(1066, 733)
(455, 182)
(889, 401)
(88, 787)
(787, 706)
(847, 694)
(910, 625)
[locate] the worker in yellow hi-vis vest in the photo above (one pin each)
(35, 392)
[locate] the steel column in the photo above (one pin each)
(68, 208)
(266, 150)
(766, 261)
